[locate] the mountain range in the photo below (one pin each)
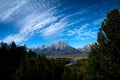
(61, 48)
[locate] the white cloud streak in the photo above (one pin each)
(83, 33)
(5, 14)
(44, 22)
(59, 26)
(75, 22)
(54, 28)
(98, 21)
(77, 31)
(31, 24)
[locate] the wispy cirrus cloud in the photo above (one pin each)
(54, 28)
(31, 24)
(76, 22)
(9, 10)
(46, 23)
(83, 33)
(77, 31)
(43, 18)
(59, 26)
(98, 21)
(35, 23)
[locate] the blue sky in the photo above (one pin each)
(38, 22)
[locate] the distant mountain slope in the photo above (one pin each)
(85, 49)
(59, 48)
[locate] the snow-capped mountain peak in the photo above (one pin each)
(43, 47)
(60, 48)
(61, 45)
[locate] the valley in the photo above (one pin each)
(70, 56)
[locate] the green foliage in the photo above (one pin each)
(22, 64)
(75, 72)
(18, 63)
(104, 58)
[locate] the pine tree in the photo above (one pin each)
(104, 58)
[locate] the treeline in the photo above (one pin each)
(103, 63)
(19, 63)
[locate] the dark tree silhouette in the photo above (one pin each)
(104, 58)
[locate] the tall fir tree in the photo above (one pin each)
(104, 58)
